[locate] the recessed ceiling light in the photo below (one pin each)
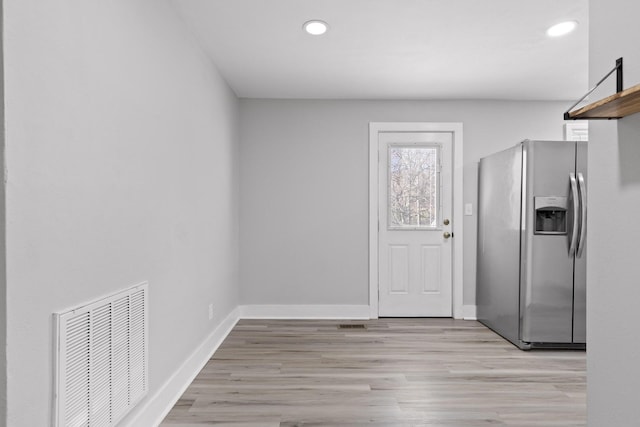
(562, 28)
(315, 27)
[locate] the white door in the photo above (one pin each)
(415, 223)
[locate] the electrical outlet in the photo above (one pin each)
(210, 311)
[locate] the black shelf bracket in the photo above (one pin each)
(619, 88)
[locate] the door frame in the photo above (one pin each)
(375, 128)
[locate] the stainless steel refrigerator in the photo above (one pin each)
(531, 265)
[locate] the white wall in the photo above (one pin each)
(122, 167)
(613, 284)
(304, 188)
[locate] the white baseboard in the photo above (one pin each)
(304, 312)
(153, 409)
(469, 312)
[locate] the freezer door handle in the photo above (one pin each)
(583, 215)
(576, 213)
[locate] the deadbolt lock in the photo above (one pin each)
(445, 222)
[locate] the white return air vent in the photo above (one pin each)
(100, 360)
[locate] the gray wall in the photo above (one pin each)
(304, 187)
(122, 167)
(3, 248)
(613, 276)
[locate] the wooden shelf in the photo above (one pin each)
(616, 106)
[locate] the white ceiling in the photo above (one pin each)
(395, 49)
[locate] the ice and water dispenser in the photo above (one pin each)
(550, 215)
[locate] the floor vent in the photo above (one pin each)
(352, 326)
(100, 366)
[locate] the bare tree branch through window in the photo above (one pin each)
(413, 186)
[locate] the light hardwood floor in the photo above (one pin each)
(397, 372)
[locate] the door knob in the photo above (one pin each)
(445, 222)
(446, 234)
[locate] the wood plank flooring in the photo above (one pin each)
(397, 372)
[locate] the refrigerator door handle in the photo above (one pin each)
(576, 213)
(583, 216)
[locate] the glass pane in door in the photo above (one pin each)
(413, 186)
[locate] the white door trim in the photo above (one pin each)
(374, 129)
